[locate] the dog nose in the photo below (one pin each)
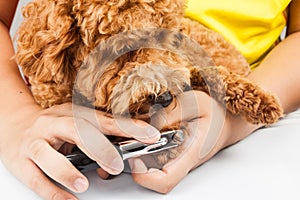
(164, 99)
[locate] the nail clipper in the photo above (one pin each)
(130, 149)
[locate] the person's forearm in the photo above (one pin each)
(15, 93)
(279, 73)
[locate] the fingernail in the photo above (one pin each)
(153, 170)
(149, 132)
(59, 196)
(80, 185)
(152, 133)
(117, 165)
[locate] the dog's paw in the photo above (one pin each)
(250, 101)
(268, 111)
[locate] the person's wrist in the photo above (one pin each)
(236, 129)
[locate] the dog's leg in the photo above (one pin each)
(239, 94)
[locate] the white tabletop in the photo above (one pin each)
(263, 166)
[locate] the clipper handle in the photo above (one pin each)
(81, 161)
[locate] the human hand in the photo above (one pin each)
(209, 128)
(32, 138)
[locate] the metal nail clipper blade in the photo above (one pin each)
(130, 149)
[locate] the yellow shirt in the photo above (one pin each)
(253, 26)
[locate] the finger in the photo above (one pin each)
(98, 147)
(65, 149)
(36, 180)
(119, 126)
(132, 128)
(189, 105)
(102, 173)
(163, 180)
(56, 130)
(56, 166)
(87, 137)
(60, 110)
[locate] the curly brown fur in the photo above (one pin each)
(58, 35)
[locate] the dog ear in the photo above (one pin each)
(48, 41)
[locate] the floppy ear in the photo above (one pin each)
(48, 41)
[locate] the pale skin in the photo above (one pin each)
(30, 134)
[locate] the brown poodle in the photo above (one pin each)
(60, 40)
